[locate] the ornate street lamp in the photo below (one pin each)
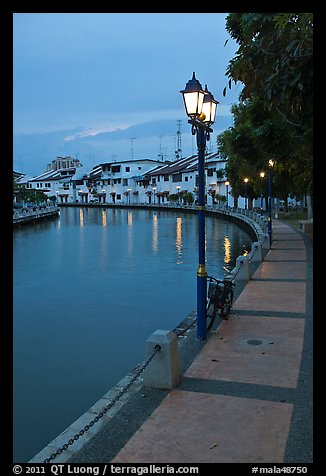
(193, 97)
(201, 108)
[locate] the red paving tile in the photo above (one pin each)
(191, 427)
(285, 236)
(272, 296)
(288, 255)
(279, 270)
(281, 244)
(228, 355)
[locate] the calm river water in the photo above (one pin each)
(89, 288)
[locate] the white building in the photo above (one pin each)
(54, 183)
(134, 181)
(114, 182)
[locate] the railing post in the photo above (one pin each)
(242, 267)
(164, 369)
(257, 255)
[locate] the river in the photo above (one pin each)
(89, 288)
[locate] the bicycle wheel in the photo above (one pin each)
(225, 310)
(211, 312)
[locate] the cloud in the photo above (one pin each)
(33, 151)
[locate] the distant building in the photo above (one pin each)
(53, 183)
(17, 176)
(132, 181)
(63, 163)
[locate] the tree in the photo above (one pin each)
(274, 63)
(173, 197)
(29, 195)
(188, 198)
(258, 135)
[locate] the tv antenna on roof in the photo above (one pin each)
(178, 152)
(132, 147)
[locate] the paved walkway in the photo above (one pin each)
(247, 396)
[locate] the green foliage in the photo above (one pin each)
(173, 197)
(274, 117)
(29, 195)
(188, 198)
(219, 198)
(260, 134)
(220, 173)
(274, 62)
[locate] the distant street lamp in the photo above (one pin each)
(270, 180)
(246, 180)
(262, 175)
(201, 108)
(227, 193)
(178, 192)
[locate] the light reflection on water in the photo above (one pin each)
(89, 289)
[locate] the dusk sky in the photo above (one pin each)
(85, 84)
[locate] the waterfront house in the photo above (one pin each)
(139, 181)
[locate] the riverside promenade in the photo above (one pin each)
(247, 395)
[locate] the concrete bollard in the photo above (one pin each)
(264, 241)
(242, 268)
(164, 370)
(257, 255)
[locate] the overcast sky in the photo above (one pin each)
(95, 72)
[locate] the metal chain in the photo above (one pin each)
(105, 409)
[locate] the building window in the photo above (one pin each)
(166, 177)
(116, 168)
(186, 179)
(118, 196)
(124, 181)
(127, 169)
(139, 167)
(177, 178)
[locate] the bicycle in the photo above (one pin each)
(219, 299)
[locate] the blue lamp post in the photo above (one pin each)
(270, 180)
(227, 183)
(262, 175)
(246, 180)
(200, 107)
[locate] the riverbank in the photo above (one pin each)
(254, 374)
(29, 215)
(80, 432)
